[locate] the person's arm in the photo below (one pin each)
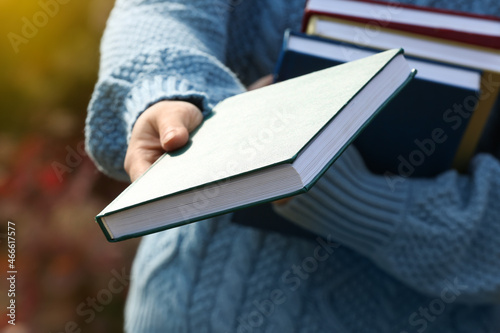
(153, 51)
(428, 233)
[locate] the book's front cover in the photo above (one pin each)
(253, 131)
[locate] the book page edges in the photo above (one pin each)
(312, 29)
(112, 239)
(470, 61)
(410, 77)
(194, 198)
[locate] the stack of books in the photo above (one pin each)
(436, 123)
(277, 141)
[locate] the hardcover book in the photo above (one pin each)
(383, 38)
(259, 146)
(481, 30)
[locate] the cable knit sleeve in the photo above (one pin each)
(151, 51)
(428, 233)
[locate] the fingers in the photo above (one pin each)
(165, 126)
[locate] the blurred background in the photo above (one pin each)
(69, 278)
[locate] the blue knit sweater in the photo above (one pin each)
(420, 255)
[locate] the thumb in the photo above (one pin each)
(176, 123)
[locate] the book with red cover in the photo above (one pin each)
(480, 30)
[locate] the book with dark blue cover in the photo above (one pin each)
(419, 131)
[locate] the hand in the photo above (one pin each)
(163, 127)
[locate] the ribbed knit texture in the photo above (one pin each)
(419, 256)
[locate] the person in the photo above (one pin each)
(421, 256)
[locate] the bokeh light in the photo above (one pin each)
(48, 186)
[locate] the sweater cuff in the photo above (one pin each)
(350, 205)
(154, 89)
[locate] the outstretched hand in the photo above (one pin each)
(163, 127)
